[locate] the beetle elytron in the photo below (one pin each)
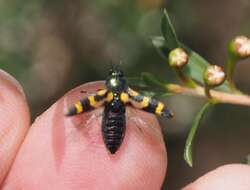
(115, 97)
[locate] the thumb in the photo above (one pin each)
(68, 152)
(229, 177)
(14, 121)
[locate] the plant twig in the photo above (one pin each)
(221, 97)
(185, 80)
(230, 69)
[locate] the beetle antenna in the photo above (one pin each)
(115, 66)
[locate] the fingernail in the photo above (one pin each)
(4, 76)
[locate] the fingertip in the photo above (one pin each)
(229, 177)
(144, 151)
(69, 152)
(14, 120)
(140, 162)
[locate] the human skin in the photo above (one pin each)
(59, 152)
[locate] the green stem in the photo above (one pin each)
(207, 92)
(211, 99)
(185, 80)
(230, 70)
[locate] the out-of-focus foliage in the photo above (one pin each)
(15, 34)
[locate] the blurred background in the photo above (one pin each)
(53, 46)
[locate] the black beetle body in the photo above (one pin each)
(115, 97)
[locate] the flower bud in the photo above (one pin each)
(214, 76)
(178, 58)
(240, 47)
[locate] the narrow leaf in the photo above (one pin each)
(189, 142)
(136, 81)
(247, 160)
(196, 66)
(149, 93)
(158, 41)
(151, 80)
(147, 84)
(171, 40)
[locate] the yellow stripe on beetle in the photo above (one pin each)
(132, 92)
(159, 108)
(140, 104)
(79, 108)
(92, 101)
(124, 97)
(110, 97)
(101, 92)
(145, 102)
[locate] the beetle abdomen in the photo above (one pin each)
(113, 128)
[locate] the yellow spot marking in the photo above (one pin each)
(79, 108)
(133, 93)
(159, 108)
(110, 97)
(101, 92)
(92, 101)
(145, 101)
(124, 97)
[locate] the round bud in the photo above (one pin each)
(240, 47)
(178, 58)
(214, 76)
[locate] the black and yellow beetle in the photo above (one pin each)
(115, 98)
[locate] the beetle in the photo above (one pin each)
(115, 97)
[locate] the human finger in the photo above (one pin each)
(68, 152)
(14, 120)
(229, 177)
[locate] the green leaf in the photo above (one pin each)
(196, 66)
(165, 95)
(247, 160)
(136, 82)
(148, 84)
(168, 32)
(151, 80)
(149, 93)
(192, 132)
(158, 41)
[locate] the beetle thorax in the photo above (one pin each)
(115, 82)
